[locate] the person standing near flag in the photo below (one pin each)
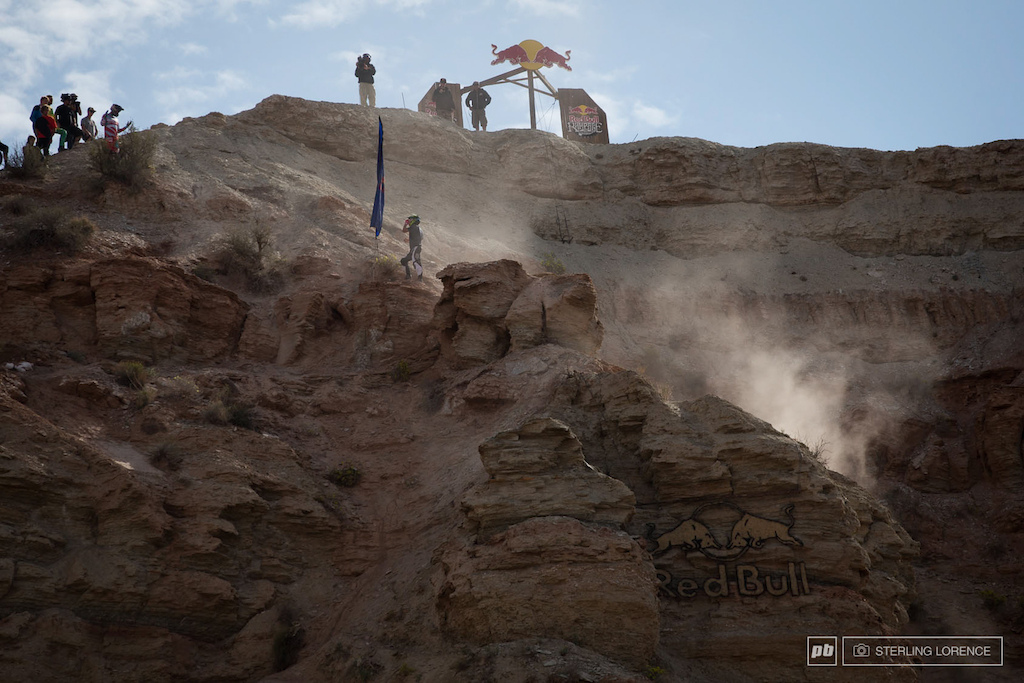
(412, 228)
(364, 74)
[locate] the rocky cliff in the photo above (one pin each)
(601, 441)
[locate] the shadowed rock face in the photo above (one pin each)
(742, 528)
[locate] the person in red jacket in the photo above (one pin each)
(44, 126)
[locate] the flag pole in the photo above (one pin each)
(377, 216)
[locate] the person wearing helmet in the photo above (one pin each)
(412, 228)
(111, 131)
(364, 74)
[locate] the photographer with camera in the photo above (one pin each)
(67, 118)
(364, 74)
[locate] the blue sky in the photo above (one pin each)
(890, 75)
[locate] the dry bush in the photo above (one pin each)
(132, 166)
(132, 373)
(384, 268)
(18, 205)
(50, 228)
(248, 252)
(21, 167)
(552, 264)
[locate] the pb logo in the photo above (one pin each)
(821, 651)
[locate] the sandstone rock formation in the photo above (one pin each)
(486, 311)
(515, 488)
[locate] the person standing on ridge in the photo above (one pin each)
(364, 74)
(443, 102)
(477, 100)
(89, 130)
(67, 118)
(111, 131)
(412, 228)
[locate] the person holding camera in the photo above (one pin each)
(364, 74)
(67, 118)
(477, 100)
(444, 104)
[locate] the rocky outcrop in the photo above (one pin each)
(553, 577)
(538, 470)
(184, 543)
(124, 307)
(487, 309)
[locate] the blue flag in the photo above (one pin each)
(377, 217)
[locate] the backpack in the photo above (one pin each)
(34, 116)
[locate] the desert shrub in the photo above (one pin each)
(248, 252)
(21, 167)
(143, 397)
(51, 228)
(131, 373)
(401, 372)
(552, 264)
(167, 455)
(653, 672)
(76, 356)
(384, 267)
(132, 166)
(216, 413)
(226, 411)
(18, 205)
(242, 415)
(346, 476)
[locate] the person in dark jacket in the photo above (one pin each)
(412, 228)
(364, 74)
(67, 118)
(477, 100)
(444, 104)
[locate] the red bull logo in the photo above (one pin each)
(584, 120)
(724, 532)
(745, 531)
(530, 55)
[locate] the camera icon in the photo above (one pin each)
(861, 650)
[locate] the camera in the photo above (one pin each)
(861, 650)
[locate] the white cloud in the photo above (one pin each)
(193, 49)
(550, 7)
(653, 116)
(321, 13)
(188, 88)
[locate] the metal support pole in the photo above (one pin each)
(533, 111)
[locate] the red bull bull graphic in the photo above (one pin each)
(584, 121)
(724, 532)
(530, 55)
